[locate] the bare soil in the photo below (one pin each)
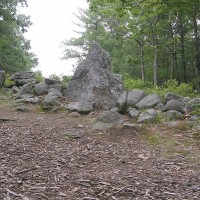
(38, 161)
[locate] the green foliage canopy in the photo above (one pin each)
(14, 48)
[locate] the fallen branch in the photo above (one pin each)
(6, 119)
(13, 193)
(120, 190)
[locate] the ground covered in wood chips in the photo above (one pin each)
(38, 161)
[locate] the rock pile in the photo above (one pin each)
(92, 87)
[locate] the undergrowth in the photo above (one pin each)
(172, 86)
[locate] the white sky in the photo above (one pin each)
(52, 24)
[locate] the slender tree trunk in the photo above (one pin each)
(155, 44)
(182, 40)
(173, 66)
(142, 63)
(155, 74)
(197, 51)
(141, 44)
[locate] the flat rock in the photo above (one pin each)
(75, 133)
(102, 126)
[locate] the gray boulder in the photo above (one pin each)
(110, 117)
(56, 86)
(80, 107)
(160, 107)
(134, 113)
(150, 101)
(175, 105)
(134, 96)
(28, 98)
(50, 100)
(50, 81)
(2, 77)
(173, 115)
(22, 78)
(148, 116)
(93, 81)
(54, 92)
(193, 104)
(25, 89)
(171, 96)
(41, 88)
(107, 120)
(122, 102)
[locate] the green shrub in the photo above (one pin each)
(38, 76)
(63, 78)
(171, 85)
(7, 81)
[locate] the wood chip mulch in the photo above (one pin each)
(38, 162)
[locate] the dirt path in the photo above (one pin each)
(37, 161)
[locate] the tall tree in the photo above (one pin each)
(14, 48)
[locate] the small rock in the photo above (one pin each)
(172, 124)
(21, 108)
(137, 127)
(115, 109)
(74, 114)
(80, 125)
(75, 133)
(102, 126)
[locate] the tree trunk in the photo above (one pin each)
(182, 40)
(173, 50)
(142, 63)
(141, 44)
(155, 74)
(197, 50)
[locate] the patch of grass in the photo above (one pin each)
(152, 139)
(184, 126)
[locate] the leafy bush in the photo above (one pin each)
(7, 81)
(172, 85)
(64, 79)
(38, 76)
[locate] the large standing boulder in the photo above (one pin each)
(93, 81)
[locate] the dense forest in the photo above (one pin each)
(152, 40)
(15, 52)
